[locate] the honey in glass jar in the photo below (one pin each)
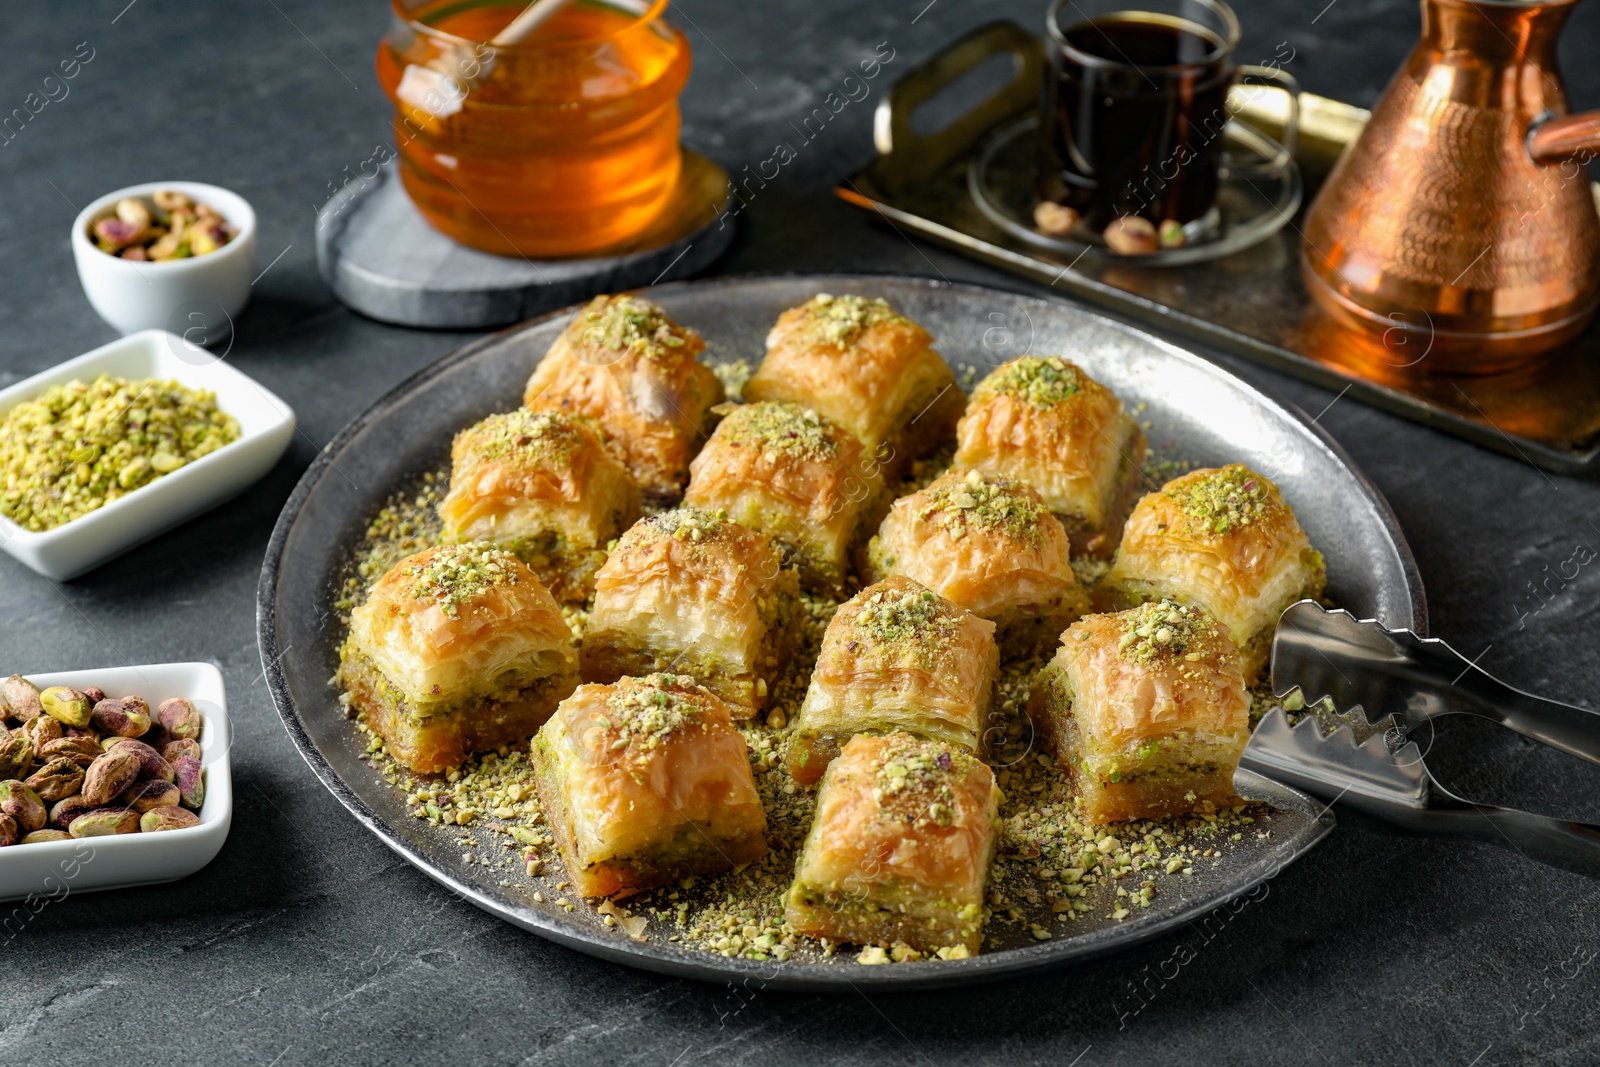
(565, 144)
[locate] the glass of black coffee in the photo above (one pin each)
(1136, 105)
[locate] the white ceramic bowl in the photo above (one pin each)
(134, 296)
(50, 870)
(265, 425)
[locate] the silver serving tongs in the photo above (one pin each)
(1383, 773)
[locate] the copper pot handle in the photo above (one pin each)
(1566, 139)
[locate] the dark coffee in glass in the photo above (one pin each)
(1135, 104)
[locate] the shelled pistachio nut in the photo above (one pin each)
(167, 818)
(23, 805)
(191, 781)
(40, 836)
(56, 780)
(62, 812)
(110, 774)
(104, 823)
(21, 698)
(67, 706)
(183, 746)
(151, 765)
(125, 717)
(9, 830)
(16, 755)
(154, 793)
(80, 750)
(40, 731)
(181, 718)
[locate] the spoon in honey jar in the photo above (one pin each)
(438, 89)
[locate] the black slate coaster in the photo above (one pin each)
(383, 259)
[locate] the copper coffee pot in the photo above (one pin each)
(1461, 226)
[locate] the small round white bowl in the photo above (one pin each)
(195, 298)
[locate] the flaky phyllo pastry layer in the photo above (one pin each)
(541, 485)
(791, 472)
(988, 543)
(457, 649)
(625, 364)
(1043, 421)
(646, 781)
(1222, 539)
(868, 368)
(694, 592)
(900, 846)
(896, 657)
(1147, 709)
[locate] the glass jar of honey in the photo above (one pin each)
(565, 144)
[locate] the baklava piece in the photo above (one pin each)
(866, 367)
(1043, 421)
(623, 363)
(896, 657)
(899, 849)
(1147, 710)
(1225, 540)
(645, 782)
(693, 592)
(988, 543)
(458, 649)
(793, 474)
(541, 485)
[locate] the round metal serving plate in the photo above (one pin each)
(1195, 410)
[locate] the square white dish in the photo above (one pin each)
(265, 425)
(51, 870)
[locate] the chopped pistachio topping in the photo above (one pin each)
(908, 619)
(628, 324)
(1228, 498)
(1165, 629)
(542, 436)
(81, 445)
(1040, 380)
(841, 320)
(915, 779)
(454, 574)
(644, 712)
(686, 523)
(785, 429)
(990, 502)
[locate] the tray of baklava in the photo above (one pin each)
(819, 629)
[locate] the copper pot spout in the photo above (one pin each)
(1463, 215)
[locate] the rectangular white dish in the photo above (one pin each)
(265, 425)
(51, 870)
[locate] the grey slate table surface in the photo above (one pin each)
(309, 941)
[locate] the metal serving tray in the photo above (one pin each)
(1252, 303)
(1195, 410)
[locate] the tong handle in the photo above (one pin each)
(1571, 729)
(1571, 846)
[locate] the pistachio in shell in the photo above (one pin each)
(110, 774)
(40, 836)
(66, 705)
(21, 698)
(56, 780)
(16, 754)
(191, 781)
(23, 805)
(181, 718)
(125, 717)
(167, 818)
(105, 823)
(9, 830)
(151, 793)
